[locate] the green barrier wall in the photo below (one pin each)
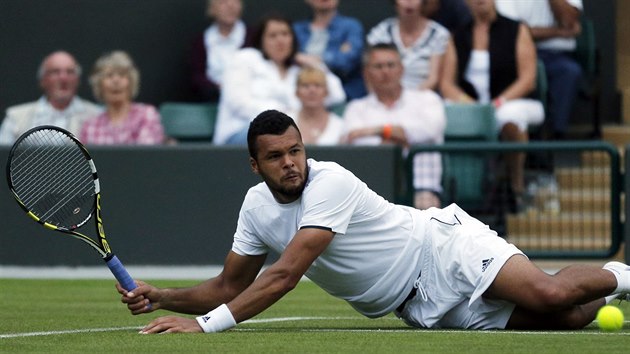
(168, 205)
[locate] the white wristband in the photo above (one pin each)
(217, 320)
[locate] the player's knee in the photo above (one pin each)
(550, 297)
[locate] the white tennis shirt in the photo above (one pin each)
(373, 259)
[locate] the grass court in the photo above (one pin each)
(82, 316)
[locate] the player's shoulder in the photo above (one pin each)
(329, 173)
(319, 167)
(257, 196)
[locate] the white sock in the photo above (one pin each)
(622, 274)
(611, 298)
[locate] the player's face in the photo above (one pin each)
(281, 162)
(60, 79)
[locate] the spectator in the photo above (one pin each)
(215, 46)
(265, 77)
(420, 41)
(554, 25)
(336, 40)
(493, 60)
(317, 125)
(449, 13)
(394, 114)
(115, 81)
(59, 76)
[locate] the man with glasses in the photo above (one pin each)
(59, 77)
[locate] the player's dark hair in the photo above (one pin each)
(268, 122)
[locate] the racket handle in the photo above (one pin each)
(121, 273)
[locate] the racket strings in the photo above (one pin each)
(53, 178)
(40, 174)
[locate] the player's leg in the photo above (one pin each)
(567, 299)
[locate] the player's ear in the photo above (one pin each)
(254, 165)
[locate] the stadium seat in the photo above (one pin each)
(469, 121)
(189, 122)
(587, 56)
(339, 109)
(541, 84)
(465, 174)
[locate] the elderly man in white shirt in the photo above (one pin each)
(58, 76)
(554, 24)
(393, 114)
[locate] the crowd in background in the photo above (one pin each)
(393, 79)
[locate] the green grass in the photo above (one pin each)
(328, 325)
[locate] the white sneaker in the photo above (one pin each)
(621, 271)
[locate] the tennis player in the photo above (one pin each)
(435, 268)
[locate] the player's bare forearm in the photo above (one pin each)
(198, 299)
(282, 276)
(238, 273)
(270, 287)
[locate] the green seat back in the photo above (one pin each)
(465, 174)
(189, 121)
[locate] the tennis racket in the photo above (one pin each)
(53, 178)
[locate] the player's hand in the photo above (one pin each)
(138, 299)
(172, 324)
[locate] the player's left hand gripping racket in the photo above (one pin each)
(53, 178)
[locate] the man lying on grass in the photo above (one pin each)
(434, 268)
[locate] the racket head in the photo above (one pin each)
(53, 178)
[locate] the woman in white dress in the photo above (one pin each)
(265, 77)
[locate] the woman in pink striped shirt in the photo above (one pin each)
(115, 81)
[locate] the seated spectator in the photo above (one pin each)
(449, 13)
(336, 40)
(115, 81)
(493, 60)
(265, 77)
(317, 125)
(59, 76)
(392, 114)
(215, 47)
(420, 41)
(554, 25)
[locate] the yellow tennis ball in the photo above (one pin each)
(610, 318)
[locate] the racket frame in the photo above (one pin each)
(101, 246)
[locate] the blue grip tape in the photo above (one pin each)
(121, 274)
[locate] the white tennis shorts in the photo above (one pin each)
(461, 258)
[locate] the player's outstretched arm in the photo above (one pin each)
(265, 290)
(238, 273)
(282, 276)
